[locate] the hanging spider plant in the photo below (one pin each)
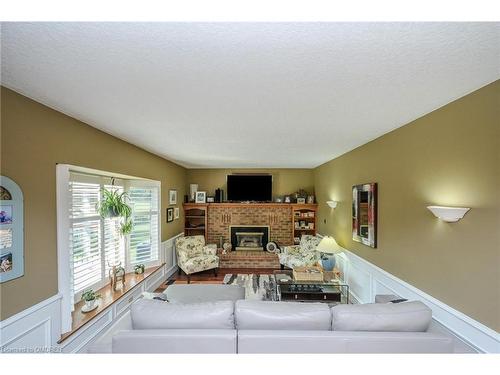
(114, 204)
(126, 226)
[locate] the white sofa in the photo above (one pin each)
(273, 327)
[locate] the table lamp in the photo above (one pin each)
(328, 247)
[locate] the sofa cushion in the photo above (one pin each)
(282, 315)
(411, 316)
(191, 293)
(385, 298)
(153, 314)
(200, 263)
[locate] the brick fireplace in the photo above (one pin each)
(277, 217)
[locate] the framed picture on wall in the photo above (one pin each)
(6, 215)
(364, 214)
(11, 230)
(172, 197)
(170, 214)
(6, 262)
(176, 212)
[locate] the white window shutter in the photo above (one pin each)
(145, 232)
(95, 243)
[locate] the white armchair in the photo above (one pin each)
(194, 256)
(302, 255)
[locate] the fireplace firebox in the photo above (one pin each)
(249, 237)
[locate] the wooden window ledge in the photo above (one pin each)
(108, 298)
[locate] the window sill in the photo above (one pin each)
(108, 298)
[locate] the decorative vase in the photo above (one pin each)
(226, 247)
(89, 304)
(193, 188)
(328, 262)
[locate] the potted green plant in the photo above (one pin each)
(139, 269)
(90, 297)
(114, 204)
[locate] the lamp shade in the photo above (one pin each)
(328, 245)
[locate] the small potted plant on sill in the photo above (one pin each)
(139, 269)
(114, 204)
(90, 298)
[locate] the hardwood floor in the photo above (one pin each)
(208, 277)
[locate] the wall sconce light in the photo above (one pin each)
(448, 214)
(332, 204)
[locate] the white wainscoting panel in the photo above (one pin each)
(366, 280)
(169, 257)
(34, 330)
(79, 342)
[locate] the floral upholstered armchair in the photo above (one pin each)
(194, 256)
(302, 255)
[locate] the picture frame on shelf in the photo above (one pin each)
(201, 197)
(210, 199)
(193, 188)
(301, 200)
(170, 214)
(310, 199)
(172, 196)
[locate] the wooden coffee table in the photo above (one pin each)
(330, 289)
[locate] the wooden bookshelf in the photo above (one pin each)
(304, 220)
(195, 219)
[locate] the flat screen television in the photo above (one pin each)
(249, 188)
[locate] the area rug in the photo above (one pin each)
(257, 287)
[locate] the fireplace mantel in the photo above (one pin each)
(253, 204)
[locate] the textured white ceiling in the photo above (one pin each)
(248, 94)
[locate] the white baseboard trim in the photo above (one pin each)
(171, 271)
(367, 280)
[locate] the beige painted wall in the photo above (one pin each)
(448, 157)
(285, 181)
(35, 138)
